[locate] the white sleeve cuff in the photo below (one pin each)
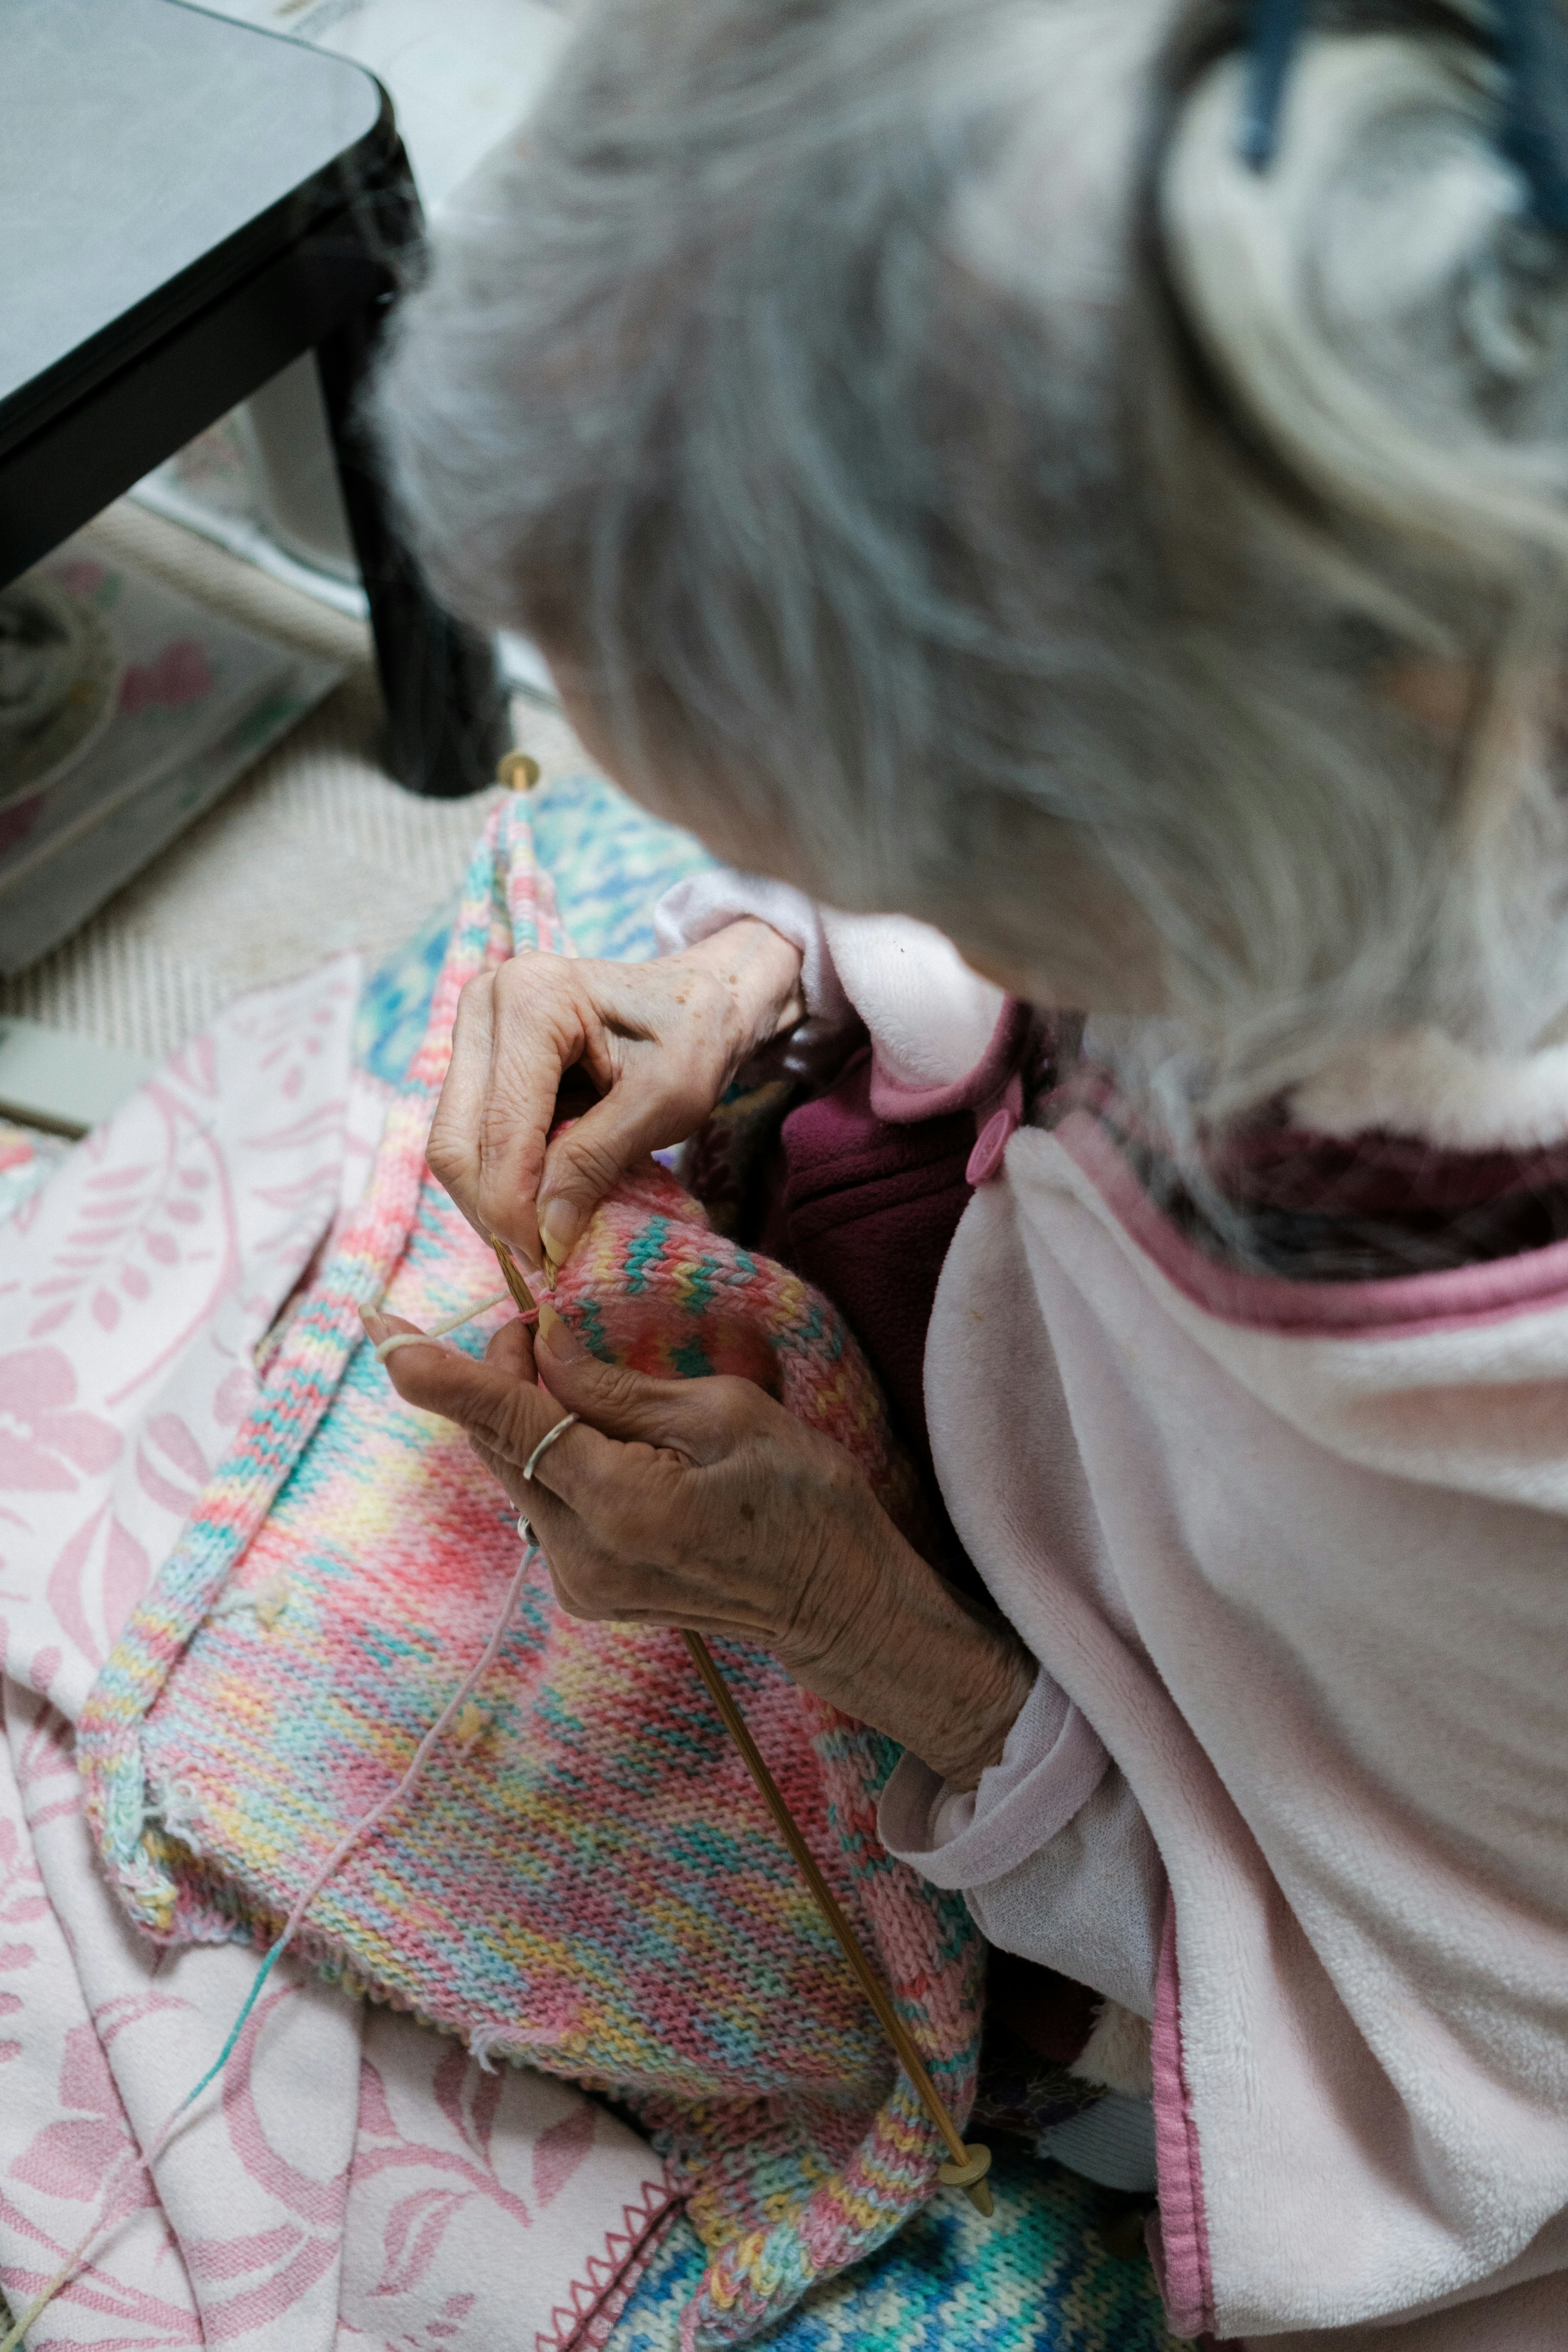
(1092, 1904)
(1051, 1765)
(704, 903)
(931, 1017)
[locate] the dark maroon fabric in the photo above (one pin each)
(867, 1213)
(1321, 1208)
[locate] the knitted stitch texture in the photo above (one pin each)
(1039, 2276)
(585, 1879)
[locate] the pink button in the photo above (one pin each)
(990, 1145)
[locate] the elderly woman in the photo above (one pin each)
(1073, 514)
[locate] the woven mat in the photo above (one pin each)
(315, 851)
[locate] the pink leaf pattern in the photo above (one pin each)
(232, 1395)
(170, 1433)
(236, 2257)
(70, 2159)
(398, 2209)
(414, 2232)
(66, 1587)
(125, 1575)
(559, 2151)
(374, 2116)
(42, 1441)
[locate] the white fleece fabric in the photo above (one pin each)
(1294, 1559)
(1052, 1849)
(1421, 1082)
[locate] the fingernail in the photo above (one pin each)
(376, 1326)
(558, 1229)
(527, 1255)
(556, 1339)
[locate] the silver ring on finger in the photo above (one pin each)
(544, 1445)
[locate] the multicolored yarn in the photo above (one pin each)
(303, 1378)
(587, 1879)
(610, 863)
(1038, 2277)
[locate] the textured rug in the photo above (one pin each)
(313, 852)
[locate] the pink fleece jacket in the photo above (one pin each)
(1294, 1778)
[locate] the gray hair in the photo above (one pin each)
(937, 444)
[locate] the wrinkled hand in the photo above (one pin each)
(658, 1043)
(703, 1503)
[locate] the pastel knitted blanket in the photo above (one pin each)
(585, 1879)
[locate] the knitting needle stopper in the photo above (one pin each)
(971, 2177)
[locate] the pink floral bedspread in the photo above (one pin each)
(352, 2180)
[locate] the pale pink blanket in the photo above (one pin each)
(355, 2180)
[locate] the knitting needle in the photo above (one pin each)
(968, 2165)
(522, 1297)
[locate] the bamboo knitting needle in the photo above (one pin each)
(968, 2165)
(512, 1276)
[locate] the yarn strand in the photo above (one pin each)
(438, 1331)
(143, 2160)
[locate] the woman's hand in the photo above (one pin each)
(658, 1042)
(702, 1503)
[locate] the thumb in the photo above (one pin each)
(583, 1165)
(692, 1417)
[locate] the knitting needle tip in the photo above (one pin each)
(511, 1274)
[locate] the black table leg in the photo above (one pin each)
(446, 708)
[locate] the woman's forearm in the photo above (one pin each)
(705, 1503)
(901, 1651)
